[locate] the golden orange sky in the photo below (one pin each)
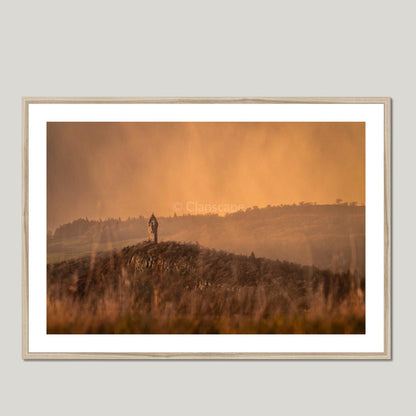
(101, 170)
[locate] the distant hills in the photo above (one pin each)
(327, 236)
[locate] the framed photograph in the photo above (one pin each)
(206, 228)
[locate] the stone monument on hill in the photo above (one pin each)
(152, 228)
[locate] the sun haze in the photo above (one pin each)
(102, 170)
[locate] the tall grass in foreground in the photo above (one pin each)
(182, 288)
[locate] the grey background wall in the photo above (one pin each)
(215, 48)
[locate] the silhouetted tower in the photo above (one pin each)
(152, 228)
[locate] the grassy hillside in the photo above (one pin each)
(182, 288)
(327, 236)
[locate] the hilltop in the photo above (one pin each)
(174, 287)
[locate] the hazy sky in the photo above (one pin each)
(130, 169)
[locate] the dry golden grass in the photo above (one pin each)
(181, 288)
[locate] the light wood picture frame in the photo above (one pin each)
(38, 344)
